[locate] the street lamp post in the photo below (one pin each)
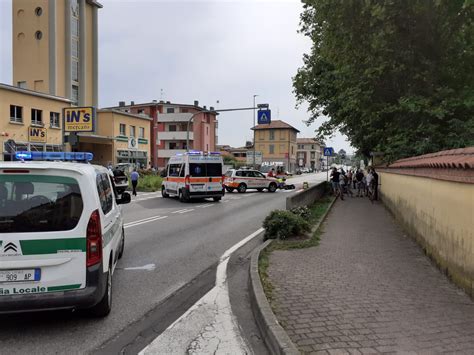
(254, 133)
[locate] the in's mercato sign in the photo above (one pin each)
(37, 134)
(79, 119)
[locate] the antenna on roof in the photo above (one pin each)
(161, 94)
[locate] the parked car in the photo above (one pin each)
(241, 180)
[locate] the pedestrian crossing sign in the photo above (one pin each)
(328, 151)
(264, 117)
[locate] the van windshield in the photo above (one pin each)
(205, 169)
(39, 203)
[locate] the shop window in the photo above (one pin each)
(54, 119)
(16, 114)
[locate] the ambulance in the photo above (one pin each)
(61, 233)
(194, 175)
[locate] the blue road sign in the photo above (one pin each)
(264, 116)
(328, 151)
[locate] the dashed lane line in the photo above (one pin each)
(143, 221)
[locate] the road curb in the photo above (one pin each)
(275, 337)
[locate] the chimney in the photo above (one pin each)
(196, 103)
(204, 107)
(121, 103)
(154, 101)
(168, 102)
(132, 103)
(162, 102)
(211, 108)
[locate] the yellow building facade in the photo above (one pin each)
(55, 48)
(32, 120)
(277, 142)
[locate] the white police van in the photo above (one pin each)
(61, 233)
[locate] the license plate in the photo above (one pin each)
(198, 187)
(20, 275)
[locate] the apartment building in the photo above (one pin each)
(277, 142)
(309, 153)
(55, 48)
(169, 127)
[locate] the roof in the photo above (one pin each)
(275, 124)
(158, 103)
(81, 168)
(462, 158)
(33, 93)
(95, 3)
(307, 141)
(143, 117)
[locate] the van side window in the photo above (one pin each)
(183, 168)
(174, 169)
(105, 193)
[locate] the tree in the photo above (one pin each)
(395, 76)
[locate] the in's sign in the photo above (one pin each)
(79, 119)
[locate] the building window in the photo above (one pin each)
(75, 95)
(170, 110)
(272, 135)
(75, 48)
(282, 135)
(75, 70)
(36, 117)
(292, 150)
(271, 149)
(313, 155)
(123, 130)
(16, 114)
(141, 111)
(54, 119)
(38, 11)
(282, 149)
(261, 135)
(312, 146)
(141, 132)
(38, 35)
(172, 128)
(75, 26)
(132, 131)
(22, 84)
(207, 130)
(184, 110)
(173, 145)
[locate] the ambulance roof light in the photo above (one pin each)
(63, 156)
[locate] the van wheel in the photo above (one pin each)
(272, 187)
(229, 189)
(104, 306)
(217, 199)
(164, 194)
(122, 245)
(242, 188)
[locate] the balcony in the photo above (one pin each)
(168, 153)
(174, 117)
(174, 135)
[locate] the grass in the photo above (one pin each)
(149, 183)
(318, 209)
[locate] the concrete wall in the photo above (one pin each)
(439, 215)
(307, 197)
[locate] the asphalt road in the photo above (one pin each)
(170, 257)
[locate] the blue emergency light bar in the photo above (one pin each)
(63, 156)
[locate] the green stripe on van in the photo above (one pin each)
(51, 246)
(37, 178)
(63, 288)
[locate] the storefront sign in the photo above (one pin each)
(37, 134)
(79, 119)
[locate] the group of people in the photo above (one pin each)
(366, 184)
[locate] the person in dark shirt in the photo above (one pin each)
(360, 183)
(376, 184)
(336, 187)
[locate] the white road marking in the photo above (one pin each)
(147, 267)
(180, 211)
(142, 221)
(208, 205)
(186, 211)
(209, 326)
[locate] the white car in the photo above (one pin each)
(61, 235)
(241, 180)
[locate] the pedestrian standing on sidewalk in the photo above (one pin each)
(376, 184)
(336, 187)
(360, 184)
(134, 177)
(369, 179)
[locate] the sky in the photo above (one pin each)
(220, 53)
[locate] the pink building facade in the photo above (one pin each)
(169, 133)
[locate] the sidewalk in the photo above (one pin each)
(367, 288)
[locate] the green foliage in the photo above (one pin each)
(394, 76)
(284, 224)
(229, 160)
(148, 183)
(303, 211)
